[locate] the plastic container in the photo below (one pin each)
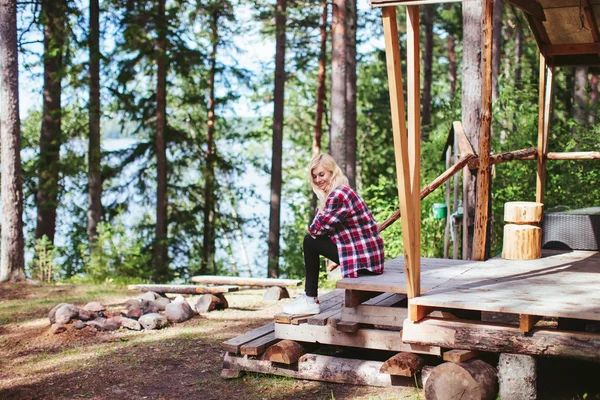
(440, 210)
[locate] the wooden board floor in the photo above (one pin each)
(560, 284)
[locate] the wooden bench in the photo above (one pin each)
(277, 287)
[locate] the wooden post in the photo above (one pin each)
(483, 175)
(414, 140)
(401, 145)
(546, 86)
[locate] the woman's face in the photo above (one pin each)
(321, 177)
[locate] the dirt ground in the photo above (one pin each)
(182, 361)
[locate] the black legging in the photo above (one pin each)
(313, 248)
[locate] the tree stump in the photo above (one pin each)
(522, 235)
(403, 364)
(210, 302)
(275, 293)
(517, 375)
(285, 352)
(471, 380)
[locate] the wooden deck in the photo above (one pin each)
(560, 284)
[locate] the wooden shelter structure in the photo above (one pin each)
(441, 304)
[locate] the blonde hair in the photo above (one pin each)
(337, 176)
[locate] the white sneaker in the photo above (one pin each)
(301, 305)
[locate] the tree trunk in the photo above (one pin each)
(161, 268)
(518, 53)
(321, 85)
(428, 16)
(580, 100)
(593, 98)
(208, 248)
(496, 46)
(471, 106)
(339, 114)
(452, 64)
(350, 131)
(54, 15)
(94, 153)
(278, 99)
(12, 264)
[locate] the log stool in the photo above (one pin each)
(522, 234)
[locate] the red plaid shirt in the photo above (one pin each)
(351, 226)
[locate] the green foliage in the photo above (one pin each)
(43, 266)
(116, 257)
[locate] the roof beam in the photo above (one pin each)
(385, 3)
(591, 20)
(571, 48)
(531, 7)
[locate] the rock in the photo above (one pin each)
(179, 312)
(112, 324)
(153, 321)
(66, 313)
(52, 313)
(179, 299)
(79, 325)
(134, 308)
(149, 307)
(94, 306)
(85, 315)
(117, 319)
(275, 293)
(162, 302)
(150, 296)
(98, 323)
(58, 328)
(131, 324)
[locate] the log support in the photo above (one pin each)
(210, 302)
(403, 364)
(517, 377)
(473, 379)
(284, 352)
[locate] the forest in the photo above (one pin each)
(154, 140)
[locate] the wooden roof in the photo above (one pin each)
(566, 30)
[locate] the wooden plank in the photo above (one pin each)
(383, 3)
(352, 298)
(393, 280)
(413, 85)
(394, 63)
(458, 356)
(245, 281)
(568, 49)
(259, 345)
(527, 322)
(464, 144)
(345, 326)
(375, 315)
(183, 289)
(385, 300)
(233, 345)
(417, 312)
(532, 8)
(541, 162)
(328, 301)
(484, 172)
(321, 368)
(363, 338)
(543, 136)
(499, 338)
(322, 318)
